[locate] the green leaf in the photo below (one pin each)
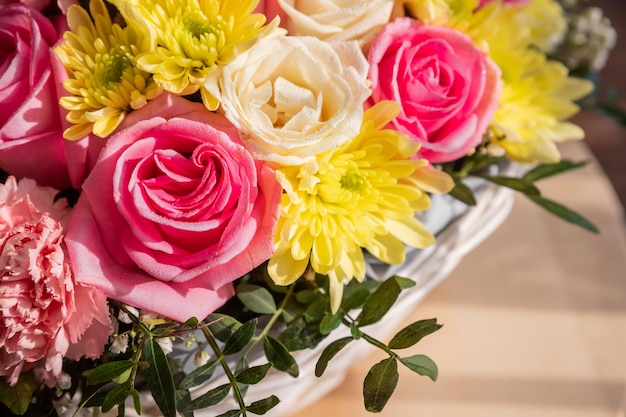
(329, 352)
(17, 398)
(300, 335)
(253, 375)
(565, 213)
(192, 322)
(379, 384)
(256, 298)
(316, 310)
(108, 371)
(263, 406)
(354, 296)
(462, 192)
(547, 170)
(183, 399)
(115, 397)
(413, 333)
(517, 184)
(136, 400)
(240, 338)
(209, 398)
(121, 410)
(222, 326)
(279, 356)
(198, 375)
(329, 323)
(231, 413)
(379, 303)
(306, 296)
(159, 377)
(404, 283)
(421, 364)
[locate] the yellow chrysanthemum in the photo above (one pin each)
(191, 38)
(441, 12)
(104, 83)
(537, 93)
(363, 194)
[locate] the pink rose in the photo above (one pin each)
(448, 89)
(31, 125)
(31, 141)
(44, 315)
(174, 210)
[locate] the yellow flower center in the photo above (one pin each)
(353, 181)
(197, 26)
(110, 68)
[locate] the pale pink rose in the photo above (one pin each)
(332, 20)
(174, 210)
(447, 88)
(293, 97)
(45, 315)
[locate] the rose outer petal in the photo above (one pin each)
(95, 267)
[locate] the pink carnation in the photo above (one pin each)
(174, 210)
(44, 314)
(447, 88)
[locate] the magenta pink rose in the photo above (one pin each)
(31, 120)
(44, 314)
(174, 210)
(31, 141)
(447, 88)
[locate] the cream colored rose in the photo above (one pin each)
(294, 97)
(336, 20)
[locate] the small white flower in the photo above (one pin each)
(166, 344)
(201, 358)
(124, 317)
(119, 344)
(65, 381)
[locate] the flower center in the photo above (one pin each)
(353, 181)
(112, 68)
(197, 26)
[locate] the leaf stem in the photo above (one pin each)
(270, 323)
(229, 373)
(370, 339)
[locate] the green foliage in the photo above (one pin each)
(476, 164)
(303, 313)
(379, 384)
(256, 298)
(279, 356)
(159, 377)
(413, 333)
(17, 398)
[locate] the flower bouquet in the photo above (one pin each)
(203, 198)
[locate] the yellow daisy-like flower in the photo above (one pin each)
(441, 12)
(104, 83)
(192, 38)
(363, 194)
(537, 93)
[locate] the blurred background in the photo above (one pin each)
(606, 137)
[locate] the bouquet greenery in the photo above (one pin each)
(220, 175)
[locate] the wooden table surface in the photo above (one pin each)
(534, 319)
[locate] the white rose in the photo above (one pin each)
(336, 20)
(294, 97)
